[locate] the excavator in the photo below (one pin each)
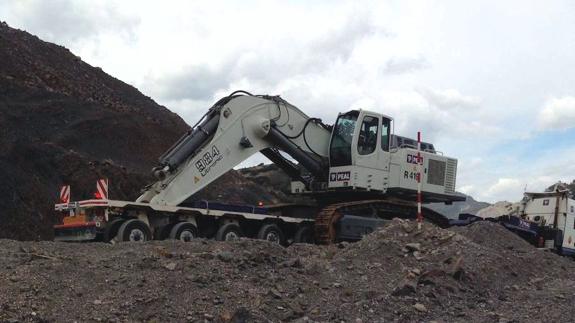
(357, 174)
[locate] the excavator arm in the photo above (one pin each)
(235, 128)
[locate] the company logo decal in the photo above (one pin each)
(208, 160)
(339, 176)
(412, 159)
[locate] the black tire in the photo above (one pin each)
(304, 235)
(112, 228)
(271, 232)
(229, 232)
(135, 231)
(184, 231)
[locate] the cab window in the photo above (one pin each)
(385, 133)
(342, 138)
(367, 141)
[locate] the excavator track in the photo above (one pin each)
(325, 222)
(324, 226)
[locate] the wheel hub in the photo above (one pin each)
(187, 236)
(137, 235)
(272, 236)
(231, 236)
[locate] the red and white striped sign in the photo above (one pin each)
(65, 194)
(102, 189)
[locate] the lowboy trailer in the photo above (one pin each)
(110, 220)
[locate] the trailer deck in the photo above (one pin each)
(82, 220)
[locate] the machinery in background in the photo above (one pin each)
(546, 220)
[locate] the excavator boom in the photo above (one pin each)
(233, 130)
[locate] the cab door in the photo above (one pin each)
(367, 152)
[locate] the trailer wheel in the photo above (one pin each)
(112, 229)
(229, 232)
(304, 235)
(272, 233)
(184, 231)
(135, 231)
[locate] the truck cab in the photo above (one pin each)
(555, 213)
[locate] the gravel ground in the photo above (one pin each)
(480, 273)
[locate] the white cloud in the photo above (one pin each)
(558, 114)
(504, 189)
(449, 99)
(401, 65)
(273, 63)
(533, 176)
(70, 21)
(468, 190)
(512, 189)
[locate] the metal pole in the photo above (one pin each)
(419, 165)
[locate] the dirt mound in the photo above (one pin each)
(64, 121)
(276, 181)
(272, 177)
(493, 235)
(235, 188)
(395, 274)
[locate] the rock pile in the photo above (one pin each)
(395, 274)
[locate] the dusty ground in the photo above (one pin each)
(481, 273)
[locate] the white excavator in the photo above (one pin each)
(357, 174)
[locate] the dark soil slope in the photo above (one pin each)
(64, 121)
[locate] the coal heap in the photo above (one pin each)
(64, 121)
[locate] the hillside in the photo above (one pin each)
(64, 121)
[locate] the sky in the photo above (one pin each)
(491, 83)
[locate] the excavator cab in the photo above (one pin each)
(373, 131)
(365, 155)
(359, 145)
